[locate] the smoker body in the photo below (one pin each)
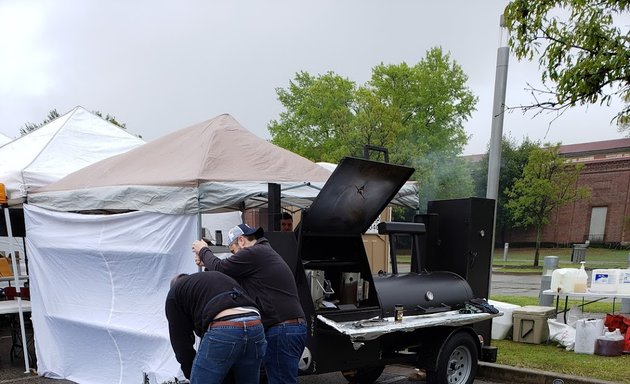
(337, 288)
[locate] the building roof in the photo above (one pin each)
(595, 147)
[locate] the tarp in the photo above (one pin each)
(67, 144)
(98, 285)
(216, 165)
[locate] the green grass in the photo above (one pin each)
(548, 357)
(598, 307)
(521, 260)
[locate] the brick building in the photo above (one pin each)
(605, 216)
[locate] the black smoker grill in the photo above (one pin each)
(350, 311)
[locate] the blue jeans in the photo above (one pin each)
(285, 344)
(226, 347)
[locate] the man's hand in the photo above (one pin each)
(196, 247)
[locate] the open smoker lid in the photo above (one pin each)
(355, 194)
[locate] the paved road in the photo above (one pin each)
(391, 375)
(515, 285)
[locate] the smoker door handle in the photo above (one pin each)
(332, 291)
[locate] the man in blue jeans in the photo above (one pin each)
(266, 278)
(215, 308)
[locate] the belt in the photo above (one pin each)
(298, 320)
(239, 324)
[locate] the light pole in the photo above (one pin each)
(494, 157)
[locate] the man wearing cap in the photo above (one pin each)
(266, 278)
(214, 307)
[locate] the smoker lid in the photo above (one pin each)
(355, 194)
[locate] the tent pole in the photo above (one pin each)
(7, 217)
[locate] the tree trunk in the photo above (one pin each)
(536, 255)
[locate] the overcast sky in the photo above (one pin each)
(159, 66)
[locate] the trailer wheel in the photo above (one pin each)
(457, 363)
(365, 375)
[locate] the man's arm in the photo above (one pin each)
(182, 337)
(238, 265)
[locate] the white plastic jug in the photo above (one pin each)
(604, 280)
(563, 280)
(581, 280)
(624, 282)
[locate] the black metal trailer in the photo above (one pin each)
(350, 312)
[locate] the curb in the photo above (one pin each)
(509, 374)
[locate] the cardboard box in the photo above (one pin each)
(530, 323)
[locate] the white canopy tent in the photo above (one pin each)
(4, 139)
(70, 142)
(104, 268)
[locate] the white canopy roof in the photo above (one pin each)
(69, 143)
(4, 139)
(213, 166)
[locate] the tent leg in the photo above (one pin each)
(17, 287)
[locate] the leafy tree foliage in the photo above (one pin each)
(513, 160)
(584, 56)
(53, 114)
(411, 110)
(548, 181)
(416, 112)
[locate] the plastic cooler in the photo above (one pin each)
(502, 325)
(530, 323)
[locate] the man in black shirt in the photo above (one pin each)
(266, 278)
(214, 307)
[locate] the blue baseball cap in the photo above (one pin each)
(243, 230)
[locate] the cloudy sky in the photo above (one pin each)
(163, 65)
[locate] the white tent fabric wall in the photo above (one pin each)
(109, 318)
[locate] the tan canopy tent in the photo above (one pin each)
(213, 166)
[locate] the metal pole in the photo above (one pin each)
(494, 158)
(16, 280)
(505, 251)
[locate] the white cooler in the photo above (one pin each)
(502, 325)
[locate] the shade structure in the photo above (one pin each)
(66, 144)
(213, 166)
(4, 139)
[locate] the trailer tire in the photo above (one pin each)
(457, 362)
(364, 375)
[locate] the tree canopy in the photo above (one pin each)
(583, 53)
(411, 110)
(548, 182)
(417, 112)
(513, 160)
(53, 114)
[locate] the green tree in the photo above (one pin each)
(583, 54)
(513, 160)
(548, 182)
(416, 112)
(53, 114)
(411, 110)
